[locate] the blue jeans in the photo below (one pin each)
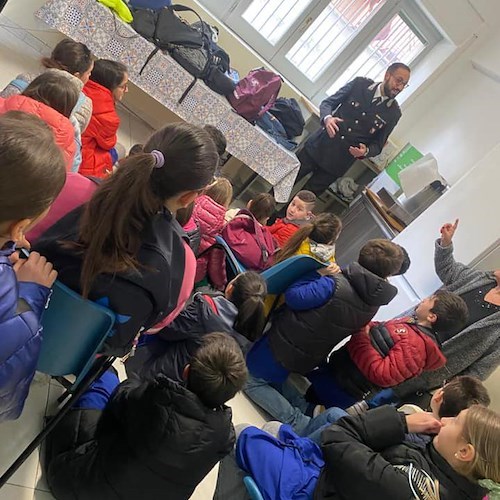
(285, 404)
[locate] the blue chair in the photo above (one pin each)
(235, 265)
(74, 330)
(280, 276)
(252, 488)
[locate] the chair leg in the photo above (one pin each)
(101, 365)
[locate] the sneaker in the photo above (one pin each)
(357, 408)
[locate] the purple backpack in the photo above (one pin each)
(255, 93)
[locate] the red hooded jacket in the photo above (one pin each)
(388, 353)
(100, 135)
(64, 133)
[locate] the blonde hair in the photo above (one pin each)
(482, 430)
(221, 191)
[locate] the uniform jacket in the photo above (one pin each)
(100, 136)
(209, 216)
(83, 109)
(21, 308)
(283, 229)
(475, 351)
(60, 125)
(366, 457)
(140, 299)
(301, 340)
(393, 351)
(154, 440)
(172, 348)
(364, 122)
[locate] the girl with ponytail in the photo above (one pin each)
(239, 312)
(317, 239)
(124, 248)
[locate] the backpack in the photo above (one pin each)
(288, 112)
(255, 93)
(255, 251)
(275, 129)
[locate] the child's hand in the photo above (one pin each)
(423, 423)
(331, 270)
(35, 269)
(447, 232)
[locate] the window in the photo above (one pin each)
(319, 45)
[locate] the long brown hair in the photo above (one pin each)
(32, 171)
(248, 295)
(111, 226)
(70, 56)
(324, 228)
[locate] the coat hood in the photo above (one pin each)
(102, 98)
(372, 289)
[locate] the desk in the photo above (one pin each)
(91, 23)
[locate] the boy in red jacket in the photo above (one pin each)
(298, 212)
(384, 354)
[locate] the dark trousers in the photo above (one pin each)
(320, 179)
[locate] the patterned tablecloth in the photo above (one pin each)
(91, 23)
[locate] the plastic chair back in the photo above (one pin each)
(236, 266)
(280, 276)
(252, 488)
(73, 331)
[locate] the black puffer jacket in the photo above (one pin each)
(153, 441)
(366, 457)
(301, 340)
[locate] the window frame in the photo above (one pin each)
(230, 12)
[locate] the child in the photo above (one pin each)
(249, 238)
(52, 98)
(184, 217)
(220, 144)
(31, 175)
(367, 457)
(149, 439)
(125, 248)
(107, 85)
(239, 313)
(384, 354)
(208, 214)
(74, 61)
(316, 239)
(298, 213)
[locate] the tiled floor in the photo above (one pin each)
(19, 54)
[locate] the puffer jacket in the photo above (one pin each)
(209, 216)
(100, 136)
(301, 340)
(283, 229)
(367, 457)
(172, 348)
(393, 351)
(154, 440)
(21, 308)
(60, 125)
(83, 109)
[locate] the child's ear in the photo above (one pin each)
(16, 232)
(309, 215)
(249, 204)
(432, 318)
(466, 453)
(186, 198)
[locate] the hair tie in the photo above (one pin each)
(158, 158)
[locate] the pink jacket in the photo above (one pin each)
(210, 218)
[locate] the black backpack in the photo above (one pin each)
(187, 44)
(288, 112)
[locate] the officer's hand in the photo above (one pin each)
(331, 125)
(359, 151)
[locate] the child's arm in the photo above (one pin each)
(312, 291)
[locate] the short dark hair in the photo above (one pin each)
(217, 370)
(32, 171)
(54, 90)
(218, 137)
(308, 197)
(398, 65)
(263, 206)
(381, 257)
(70, 56)
(451, 311)
(405, 265)
(109, 74)
(460, 393)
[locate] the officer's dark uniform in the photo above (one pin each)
(364, 122)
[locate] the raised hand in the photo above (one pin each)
(447, 232)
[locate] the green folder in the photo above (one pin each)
(408, 155)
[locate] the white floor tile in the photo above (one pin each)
(245, 412)
(11, 492)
